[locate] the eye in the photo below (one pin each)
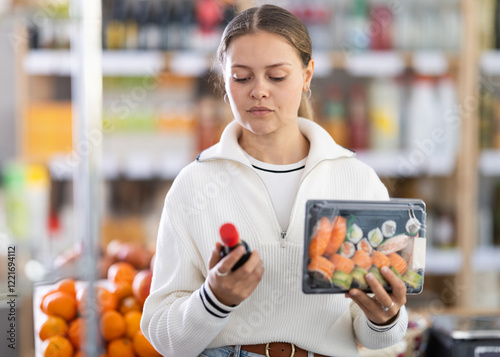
(241, 77)
(277, 79)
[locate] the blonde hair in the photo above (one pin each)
(275, 20)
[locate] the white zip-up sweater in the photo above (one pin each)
(182, 317)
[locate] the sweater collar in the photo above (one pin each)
(322, 146)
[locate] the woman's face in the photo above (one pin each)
(264, 80)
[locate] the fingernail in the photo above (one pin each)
(385, 269)
(353, 293)
(369, 276)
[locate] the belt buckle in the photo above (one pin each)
(269, 348)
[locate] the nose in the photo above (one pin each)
(259, 91)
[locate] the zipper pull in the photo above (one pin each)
(283, 239)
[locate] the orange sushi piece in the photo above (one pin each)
(365, 246)
(380, 259)
(362, 259)
(322, 265)
(337, 236)
(342, 263)
(322, 232)
(398, 263)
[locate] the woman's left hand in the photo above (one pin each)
(383, 307)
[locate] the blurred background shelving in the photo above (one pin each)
(388, 75)
(412, 87)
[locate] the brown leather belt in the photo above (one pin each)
(278, 349)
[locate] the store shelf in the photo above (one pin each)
(375, 64)
(449, 261)
(393, 63)
(431, 63)
(486, 259)
(195, 63)
(114, 63)
(134, 156)
(406, 163)
(490, 62)
(443, 261)
(489, 162)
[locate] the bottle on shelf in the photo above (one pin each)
(338, 25)
(405, 30)
(316, 15)
(496, 123)
(142, 9)
(486, 24)
(451, 25)
(149, 21)
(497, 25)
(384, 114)
(423, 115)
(358, 18)
(334, 116)
(382, 20)
(444, 231)
(358, 118)
(115, 27)
(152, 29)
(486, 119)
(165, 19)
(131, 26)
(449, 120)
(496, 213)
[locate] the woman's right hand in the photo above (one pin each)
(235, 287)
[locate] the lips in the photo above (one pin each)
(259, 111)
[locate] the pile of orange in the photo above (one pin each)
(118, 311)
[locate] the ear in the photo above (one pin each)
(308, 74)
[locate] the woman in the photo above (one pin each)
(268, 163)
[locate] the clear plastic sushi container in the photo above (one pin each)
(345, 240)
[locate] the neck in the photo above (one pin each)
(277, 148)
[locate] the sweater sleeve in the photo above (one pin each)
(181, 316)
(374, 336)
(378, 191)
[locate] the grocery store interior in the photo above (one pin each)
(98, 117)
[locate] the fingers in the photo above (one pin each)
(231, 288)
(214, 259)
(383, 307)
(382, 296)
(398, 286)
(226, 264)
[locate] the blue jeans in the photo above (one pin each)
(228, 351)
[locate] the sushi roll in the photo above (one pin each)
(389, 228)
(375, 237)
(380, 260)
(398, 263)
(321, 267)
(362, 260)
(358, 278)
(413, 226)
(321, 237)
(365, 246)
(342, 263)
(355, 233)
(337, 236)
(347, 249)
(394, 244)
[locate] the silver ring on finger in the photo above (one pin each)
(387, 308)
(217, 271)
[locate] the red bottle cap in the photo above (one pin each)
(229, 234)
